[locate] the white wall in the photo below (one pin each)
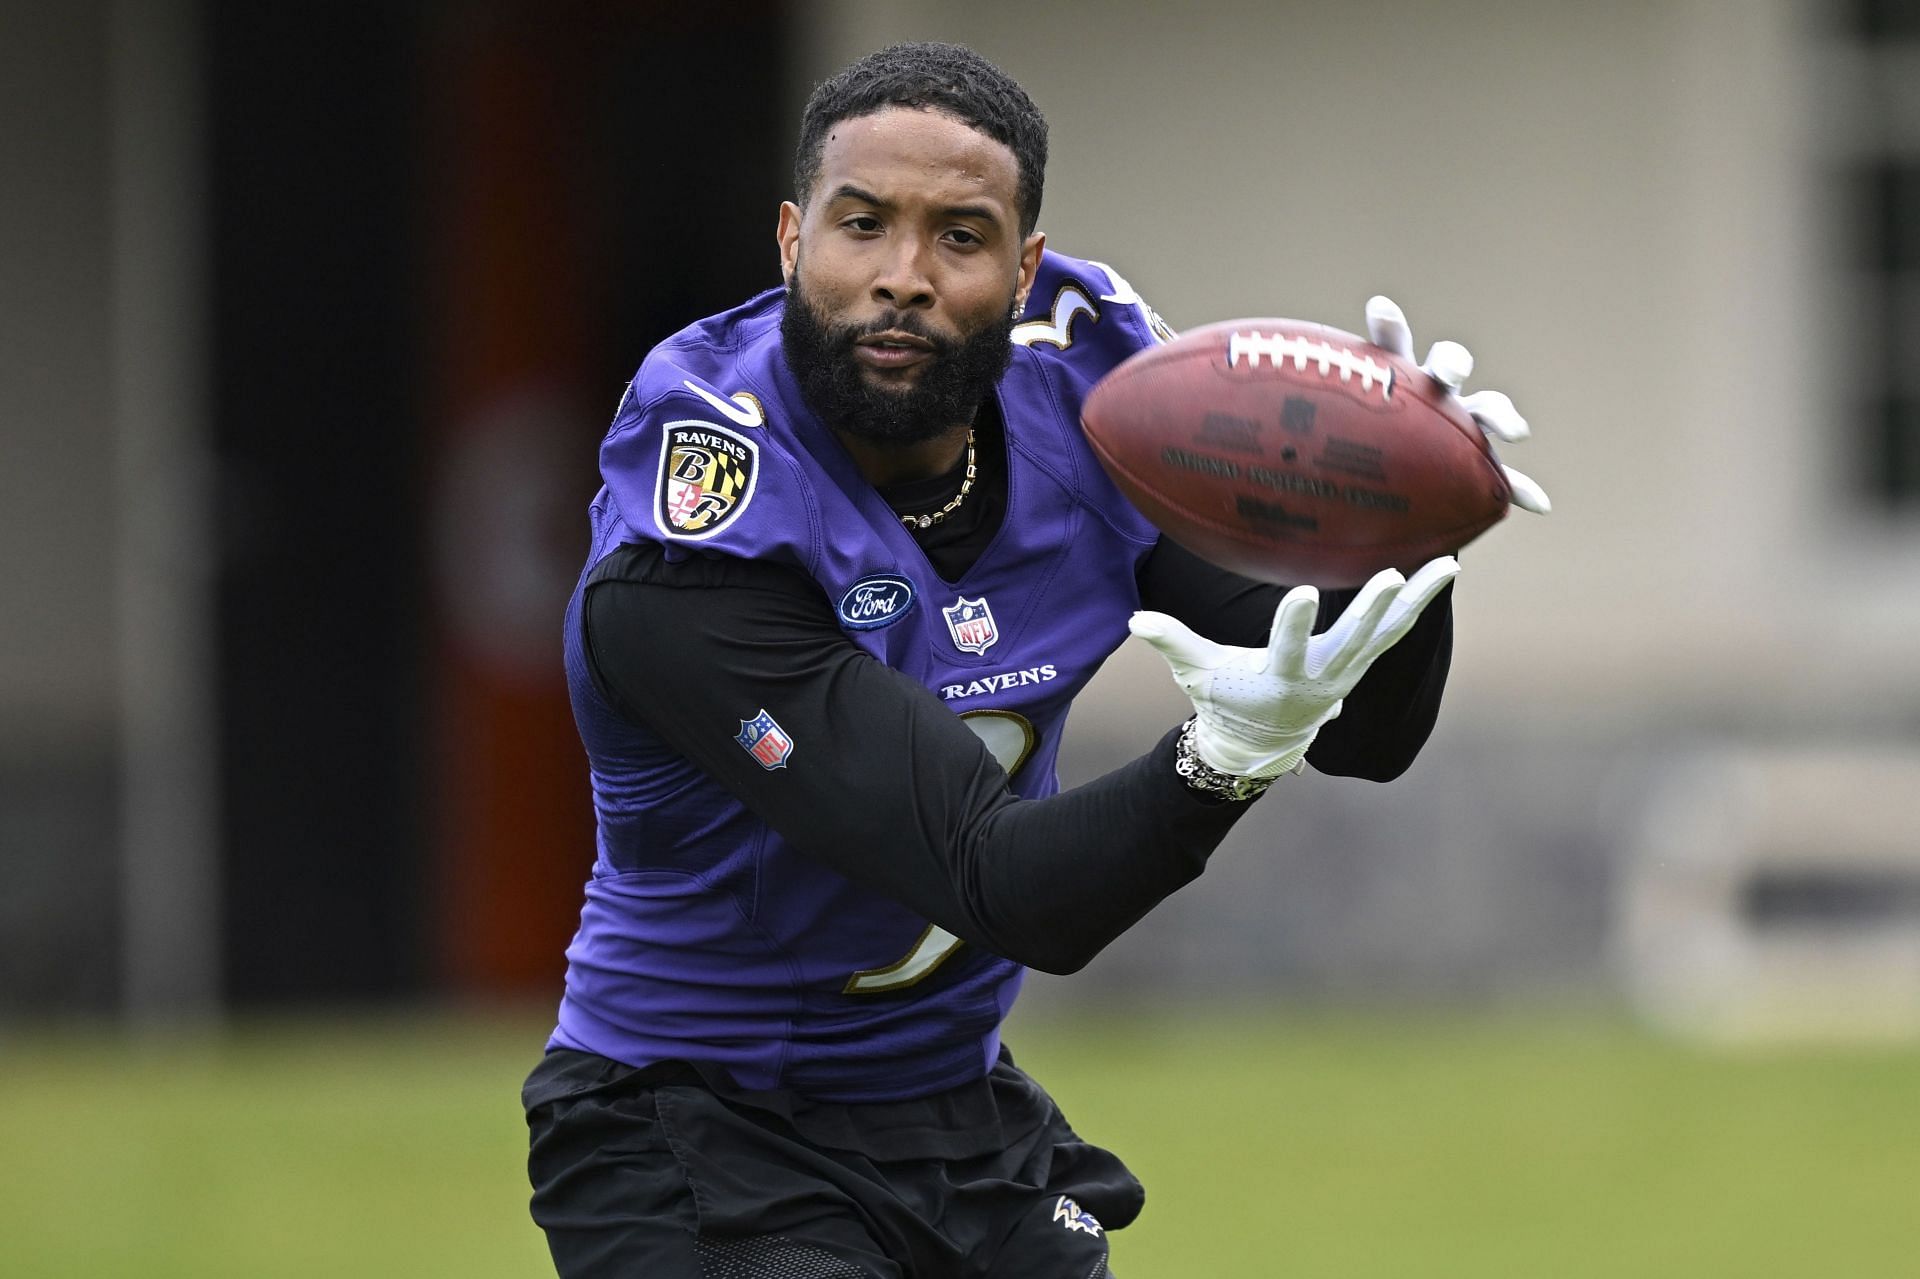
(59, 685)
(107, 840)
(58, 689)
(1615, 207)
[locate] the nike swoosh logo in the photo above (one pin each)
(744, 410)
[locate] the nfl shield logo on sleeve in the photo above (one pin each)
(970, 622)
(765, 740)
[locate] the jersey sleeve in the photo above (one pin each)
(697, 469)
(1088, 315)
(883, 783)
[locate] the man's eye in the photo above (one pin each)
(863, 222)
(960, 235)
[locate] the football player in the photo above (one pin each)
(851, 563)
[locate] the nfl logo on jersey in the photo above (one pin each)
(970, 622)
(765, 740)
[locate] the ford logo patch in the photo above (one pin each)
(873, 602)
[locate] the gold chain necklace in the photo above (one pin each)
(922, 523)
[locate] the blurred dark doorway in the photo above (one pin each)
(444, 235)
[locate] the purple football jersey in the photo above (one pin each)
(705, 936)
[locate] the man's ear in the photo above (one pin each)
(789, 236)
(1029, 268)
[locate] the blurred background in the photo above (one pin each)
(311, 316)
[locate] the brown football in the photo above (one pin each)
(1295, 453)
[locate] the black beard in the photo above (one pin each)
(952, 383)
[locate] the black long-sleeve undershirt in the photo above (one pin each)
(912, 803)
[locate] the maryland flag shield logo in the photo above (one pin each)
(706, 478)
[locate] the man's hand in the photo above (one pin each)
(1257, 709)
(1452, 364)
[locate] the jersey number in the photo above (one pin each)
(1010, 738)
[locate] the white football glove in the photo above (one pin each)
(1451, 365)
(1257, 709)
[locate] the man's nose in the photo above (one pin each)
(904, 280)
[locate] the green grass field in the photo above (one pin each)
(1271, 1144)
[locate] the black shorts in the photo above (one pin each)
(668, 1173)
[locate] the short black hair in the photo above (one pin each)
(949, 78)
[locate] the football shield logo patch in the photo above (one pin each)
(970, 622)
(764, 739)
(707, 474)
